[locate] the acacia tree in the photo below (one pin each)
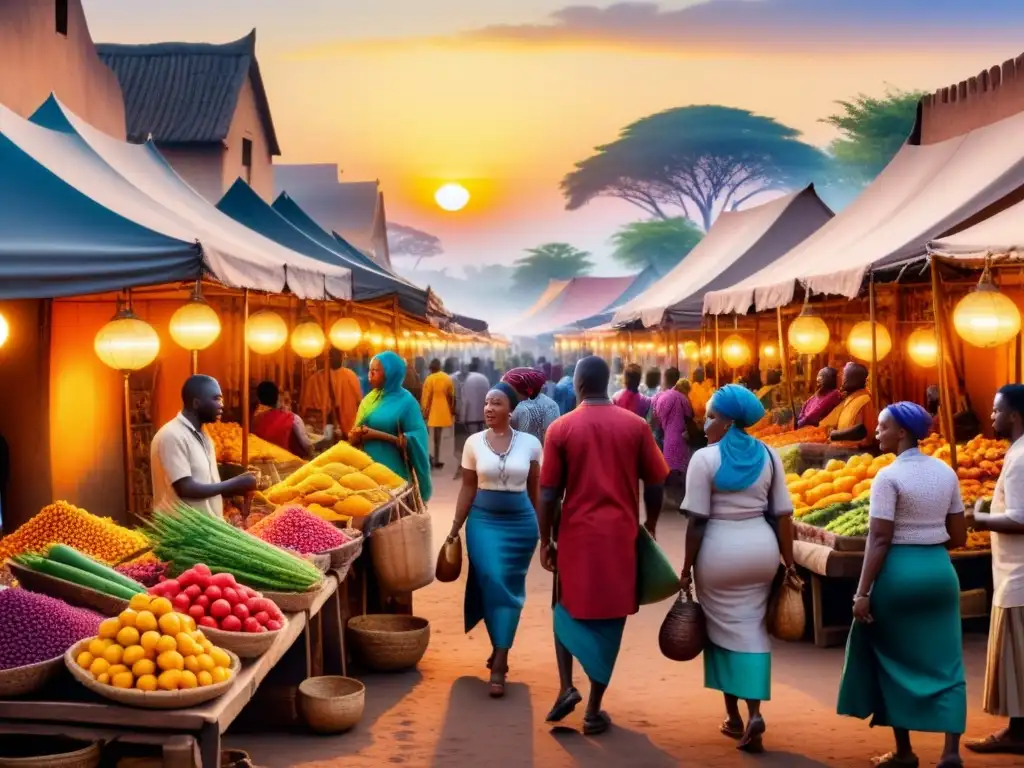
(657, 243)
(552, 261)
(697, 160)
(412, 242)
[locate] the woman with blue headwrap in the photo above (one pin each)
(389, 423)
(904, 656)
(732, 487)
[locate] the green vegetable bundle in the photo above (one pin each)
(852, 523)
(187, 537)
(823, 517)
(64, 562)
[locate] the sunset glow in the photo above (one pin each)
(452, 197)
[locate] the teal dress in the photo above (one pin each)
(393, 410)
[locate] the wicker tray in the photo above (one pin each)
(342, 557)
(132, 697)
(245, 645)
(83, 597)
(293, 602)
(815, 535)
(19, 681)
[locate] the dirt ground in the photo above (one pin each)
(440, 715)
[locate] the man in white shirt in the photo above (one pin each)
(469, 403)
(182, 456)
(1004, 673)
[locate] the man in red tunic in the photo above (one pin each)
(278, 426)
(594, 461)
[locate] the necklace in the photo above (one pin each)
(502, 456)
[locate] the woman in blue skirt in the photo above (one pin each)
(904, 657)
(499, 497)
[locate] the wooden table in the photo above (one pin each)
(78, 713)
(836, 573)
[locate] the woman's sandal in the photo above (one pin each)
(565, 705)
(752, 740)
(498, 684)
(996, 744)
(594, 725)
(732, 728)
(892, 760)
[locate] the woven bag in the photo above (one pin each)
(403, 552)
(449, 561)
(683, 633)
(787, 619)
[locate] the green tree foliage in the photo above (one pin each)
(658, 243)
(696, 160)
(552, 261)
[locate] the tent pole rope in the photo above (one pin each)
(874, 349)
(945, 406)
(787, 368)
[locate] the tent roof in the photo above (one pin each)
(1000, 235)
(738, 244)
(187, 93)
(554, 288)
(643, 281)
(583, 297)
(924, 193)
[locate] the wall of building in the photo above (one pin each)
(200, 165)
(246, 124)
(36, 61)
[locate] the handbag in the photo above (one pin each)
(683, 633)
(656, 579)
(786, 618)
(449, 561)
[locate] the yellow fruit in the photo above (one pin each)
(170, 660)
(206, 645)
(116, 669)
(205, 661)
(132, 654)
(128, 636)
(149, 640)
(113, 654)
(220, 657)
(383, 476)
(192, 664)
(98, 646)
(139, 602)
(85, 659)
(220, 675)
(188, 624)
(146, 683)
(186, 645)
(127, 617)
(145, 621)
(169, 680)
(143, 667)
(204, 678)
(103, 679)
(188, 680)
(166, 643)
(160, 606)
(170, 624)
(98, 667)
(109, 628)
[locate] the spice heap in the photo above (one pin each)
(299, 530)
(218, 601)
(145, 569)
(227, 443)
(35, 628)
(802, 435)
(62, 523)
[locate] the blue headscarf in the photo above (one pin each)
(912, 417)
(743, 457)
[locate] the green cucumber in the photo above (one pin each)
(62, 553)
(80, 577)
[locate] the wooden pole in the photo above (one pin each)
(874, 351)
(129, 450)
(945, 406)
(715, 354)
(195, 361)
(245, 382)
(1018, 350)
(787, 371)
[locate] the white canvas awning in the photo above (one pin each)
(999, 236)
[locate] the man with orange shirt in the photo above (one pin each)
(854, 419)
(336, 402)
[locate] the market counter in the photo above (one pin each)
(68, 709)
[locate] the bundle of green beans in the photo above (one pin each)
(63, 562)
(187, 537)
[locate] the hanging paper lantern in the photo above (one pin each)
(308, 340)
(922, 347)
(345, 334)
(735, 351)
(127, 343)
(265, 332)
(808, 334)
(769, 352)
(194, 326)
(5, 330)
(859, 341)
(986, 317)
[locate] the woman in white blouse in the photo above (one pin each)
(904, 657)
(499, 496)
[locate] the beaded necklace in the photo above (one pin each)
(502, 457)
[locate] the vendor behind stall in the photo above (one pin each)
(770, 395)
(701, 391)
(931, 404)
(182, 457)
(278, 425)
(826, 398)
(855, 418)
(331, 396)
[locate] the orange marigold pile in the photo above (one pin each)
(98, 537)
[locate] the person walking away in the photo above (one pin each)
(279, 426)
(652, 383)
(595, 563)
(470, 407)
(183, 461)
(826, 398)
(1004, 673)
(438, 407)
(629, 397)
(854, 419)
(331, 396)
(565, 395)
(904, 655)
(390, 426)
(535, 412)
(700, 394)
(499, 498)
(733, 487)
(672, 411)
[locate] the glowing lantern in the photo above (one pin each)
(922, 347)
(5, 330)
(859, 341)
(375, 337)
(390, 341)
(308, 340)
(808, 334)
(127, 343)
(735, 351)
(345, 334)
(194, 326)
(769, 352)
(265, 332)
(985, 317)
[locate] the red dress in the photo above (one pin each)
(599, 454)
(276, 426)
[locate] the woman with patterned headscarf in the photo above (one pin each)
(536, 411)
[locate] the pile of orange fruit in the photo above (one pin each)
(979, 462)
(802, 435)
(839, 482)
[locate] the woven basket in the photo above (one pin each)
(389, 643)
(245, 645)
(19, 681)
(683, 633)
(342, 557)
(293, 602)
(331, 704)
(80, 754)
(321, 562)
(787, 619)
(132, 697)
(403, 553)
(83, 597)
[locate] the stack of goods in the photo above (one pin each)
(216, 600)
(843, 518)
(62, 523)
(301, 531)
(337, 485)
(147, 569)
(150, 647)
(62, 562)
(186, 538)
(802, 435)
(227, 442)
(36, 628)
(977, 541)
(840, 482)
(771, 430)
(979, 462)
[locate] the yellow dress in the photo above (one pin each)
(438, 390)
(846, 415)
(700, 395)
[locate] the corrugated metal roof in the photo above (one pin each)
(186, 93)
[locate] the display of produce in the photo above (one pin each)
(979, 462)
(853, 522)
(62, 523)
(218, 601)
(151, 647)
(227, 443)
(839, 482)
(299, 530)
(145, 569)
(187, 537)
(791, 437)
(62, 562)
(977, 540)
(35, 628)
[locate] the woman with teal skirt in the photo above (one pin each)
(499, 496)
(390, 426)
(904, 658)
(732, 487)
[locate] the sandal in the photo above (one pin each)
(498, 684)
(593, 725)
(564, 706)
(752, 741)
(995, 744)
(732, 728)
(892, 760)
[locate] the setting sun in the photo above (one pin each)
(452, 197)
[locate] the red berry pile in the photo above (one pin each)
(299, 530)
(36, 628)
(216, 600)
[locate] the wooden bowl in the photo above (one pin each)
(389, 643)
(331, 704)
(342, 557)
(19, 681)
(132, 697)
(245, 645)
(72, 594)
